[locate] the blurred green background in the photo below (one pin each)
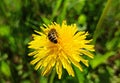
(19, 19)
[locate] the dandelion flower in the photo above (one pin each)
(60, 46)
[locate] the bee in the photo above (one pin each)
(52, 36)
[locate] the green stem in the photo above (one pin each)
(98, 27)
(52, 76)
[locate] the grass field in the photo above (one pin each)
(19, 19)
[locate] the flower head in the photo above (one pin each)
(60, 46)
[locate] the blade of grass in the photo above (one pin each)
(57, 6)
(98, 27)
(63, 11)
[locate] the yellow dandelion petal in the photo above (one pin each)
(41, 53)
(89, 47)
(84, 61)
(77, 35)
(32, 53)
(35, 60)
(40, 33)
(48, 59)
(76, 57)
(87, 53)
(38, 65)
(48, 67)
(76, 63)
(66, 64)
(59, 68)
(60, 46)
(39, 41)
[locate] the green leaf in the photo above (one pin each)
(45, 20)
(5, 69)
(43, 79)
(82, 19)
(80, 74)
(99, 59)
(4, 30)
